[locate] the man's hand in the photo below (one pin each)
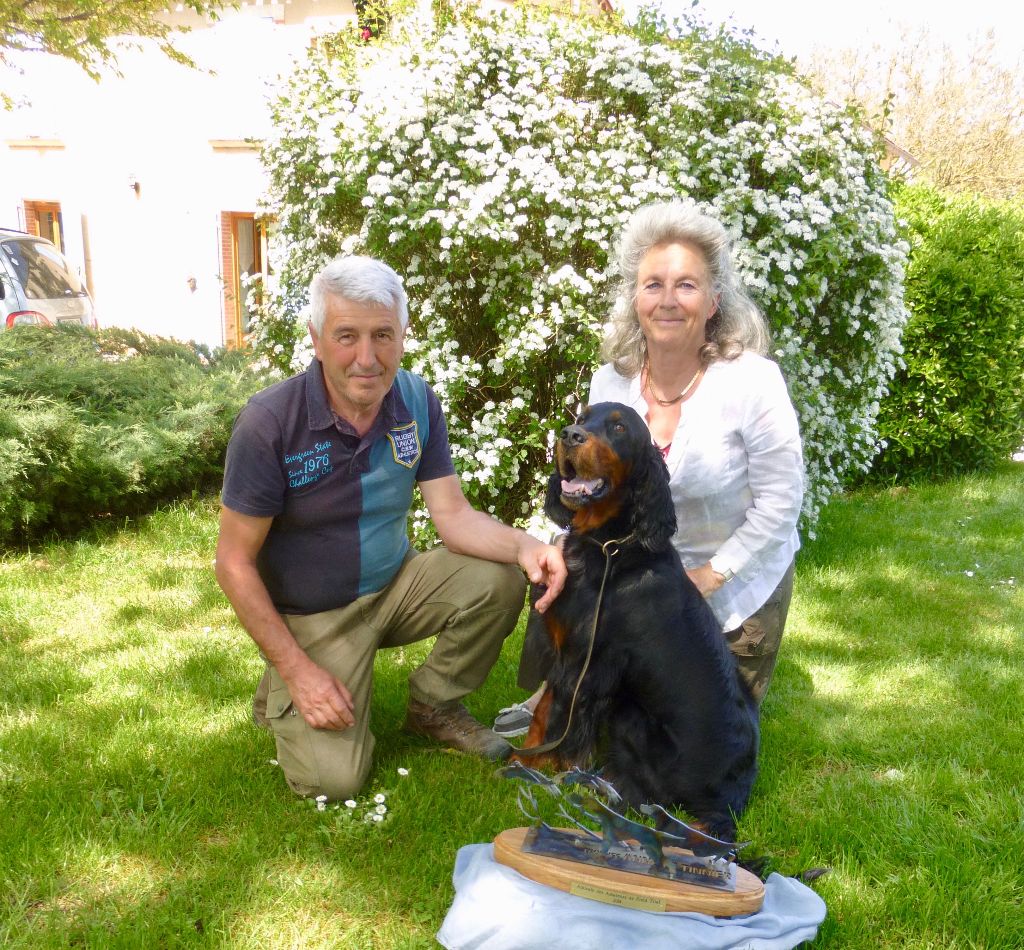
(706, 579)
(544, 565)
(323, 700)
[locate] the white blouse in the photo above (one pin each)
(737, 476)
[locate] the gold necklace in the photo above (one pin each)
(670, 402)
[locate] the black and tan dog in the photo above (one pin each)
(650, 693)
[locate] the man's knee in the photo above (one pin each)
(319, 762)
(336, 780)
(502, 586)
(472, 584)
(335, 787)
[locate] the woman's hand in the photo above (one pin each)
(706, 579)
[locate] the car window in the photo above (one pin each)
(41, 270)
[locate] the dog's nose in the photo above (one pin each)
(574, 435)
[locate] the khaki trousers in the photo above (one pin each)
(755, 642)
(470, 604)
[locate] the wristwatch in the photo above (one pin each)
(727, 573)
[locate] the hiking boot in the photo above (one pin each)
(453, 726)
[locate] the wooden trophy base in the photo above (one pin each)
(624, 888)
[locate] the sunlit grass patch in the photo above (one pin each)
(142, 808)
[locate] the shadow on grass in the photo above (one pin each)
(893, 728)
(29, 685)
(164, 609)
(157, 817)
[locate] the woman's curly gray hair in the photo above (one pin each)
(736, 325)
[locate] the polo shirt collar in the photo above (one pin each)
(393, 412)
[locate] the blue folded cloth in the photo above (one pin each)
(496, 908)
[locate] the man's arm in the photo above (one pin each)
(323, 700)
(464, 530)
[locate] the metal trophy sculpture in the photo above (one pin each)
(673, 867)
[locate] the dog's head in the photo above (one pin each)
(609, 472)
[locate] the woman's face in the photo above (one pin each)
(674, 299)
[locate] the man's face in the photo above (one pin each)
(360, 349)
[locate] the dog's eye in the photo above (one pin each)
(618, 427)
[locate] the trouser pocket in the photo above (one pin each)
(294, 744)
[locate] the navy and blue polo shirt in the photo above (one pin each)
(340, 502)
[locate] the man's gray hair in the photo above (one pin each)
(737, 325)
(359, 279)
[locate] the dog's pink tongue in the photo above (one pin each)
(579, 486)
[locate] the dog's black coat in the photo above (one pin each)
(661, 707)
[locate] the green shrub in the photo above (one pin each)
(108, 423)
(958, 404)
(493, 163)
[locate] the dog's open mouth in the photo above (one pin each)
(579, 490)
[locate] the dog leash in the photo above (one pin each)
(610, 549)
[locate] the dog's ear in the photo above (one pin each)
(654, 515)
(553, 506)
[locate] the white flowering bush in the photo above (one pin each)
(493, 163)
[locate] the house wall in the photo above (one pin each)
(175, 133)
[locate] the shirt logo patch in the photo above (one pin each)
(405, 444)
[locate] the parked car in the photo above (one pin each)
(38, 285)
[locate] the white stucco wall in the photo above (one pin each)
(153, 124)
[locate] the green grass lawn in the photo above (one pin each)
(140, 808)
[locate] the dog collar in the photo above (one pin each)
(611, 547)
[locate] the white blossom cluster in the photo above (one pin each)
(493, 164)
(368, 809)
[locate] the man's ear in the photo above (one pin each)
(314, 338)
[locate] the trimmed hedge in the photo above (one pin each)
(957, 406)
(108, 424)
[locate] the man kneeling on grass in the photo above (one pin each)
(314, 555)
